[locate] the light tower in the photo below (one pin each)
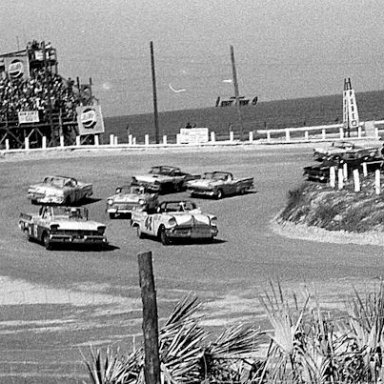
(350, 112)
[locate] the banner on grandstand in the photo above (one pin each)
(17, 66)
(90, 120)
(26, 117)
(193, 135)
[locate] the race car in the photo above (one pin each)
(164, 179)
(176, 220)
(59, 190)
(128, 198)
(54, 225)
(346, 150)
(219, 184)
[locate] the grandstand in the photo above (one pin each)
(36, 101)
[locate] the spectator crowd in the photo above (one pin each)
(33, 94)
(41, 87)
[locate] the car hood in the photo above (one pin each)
(44, 188)
(204, 183)
(153, 178)
(77, 225)
(183, 218)
(128, 198)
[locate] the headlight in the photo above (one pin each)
(142, 202)
(54, 228)
(109, 201)
(214, 221)
(172, 221)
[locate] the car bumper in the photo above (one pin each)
(192, 233)
(45, 199)
(203, 192)
(60, 239)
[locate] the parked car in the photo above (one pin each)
(54, 225)
(164, 179)
(129, 198)
(318, 172)
(347, 150)
(59, 190)
(321, 171)
(219, 184)
(176, 220)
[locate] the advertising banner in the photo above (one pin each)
(17, 66)
(26, 117)
(90, 120)
(193, 135)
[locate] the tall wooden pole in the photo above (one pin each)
(150, 319)
(156, 115)
(48, 87)
(236, 86)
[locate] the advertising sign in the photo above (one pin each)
(17, 66)
(193, 135)
(90, 120)
(26, 117)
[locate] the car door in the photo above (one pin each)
(150, 224)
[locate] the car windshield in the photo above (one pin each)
(215, 175)
(178, 206)
(70, 213)
(161, 170)
(56, 181)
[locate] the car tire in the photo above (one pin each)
(46, 242)
(112, 215)
(219, 194)
(164, 237)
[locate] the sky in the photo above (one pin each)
(283, 49)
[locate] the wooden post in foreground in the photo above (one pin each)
(150, 325)
(356, 180)
(332, 177)
(377, 181)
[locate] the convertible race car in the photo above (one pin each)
(164, 179)
(347, 150)
(59, 190)
(62, 225)
(129, 198)
(219, 184)
(175, 220)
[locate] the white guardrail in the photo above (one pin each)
(369, 129)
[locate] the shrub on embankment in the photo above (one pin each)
(307, 345)
(319, 205)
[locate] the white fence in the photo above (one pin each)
(369, 129)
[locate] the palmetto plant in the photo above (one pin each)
(186, 355)
(305, 346)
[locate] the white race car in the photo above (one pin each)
(59, 190)
(175, 220)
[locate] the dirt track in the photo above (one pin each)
(54, 302)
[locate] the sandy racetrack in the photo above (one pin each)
(57, 301)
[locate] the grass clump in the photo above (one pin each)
(319, 205)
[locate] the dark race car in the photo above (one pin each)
(164, 179)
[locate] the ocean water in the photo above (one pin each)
(273, 114)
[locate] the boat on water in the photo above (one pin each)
(231, 101)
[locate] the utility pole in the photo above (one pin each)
(156, 115)
(150, 319)
(236, 86)
(48, 84)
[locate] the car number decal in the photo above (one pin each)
(149, 223)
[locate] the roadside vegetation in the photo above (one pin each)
(306, 345)
(316, 204)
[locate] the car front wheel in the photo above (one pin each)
(219, 194)
(46, 241)
(164, 237)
